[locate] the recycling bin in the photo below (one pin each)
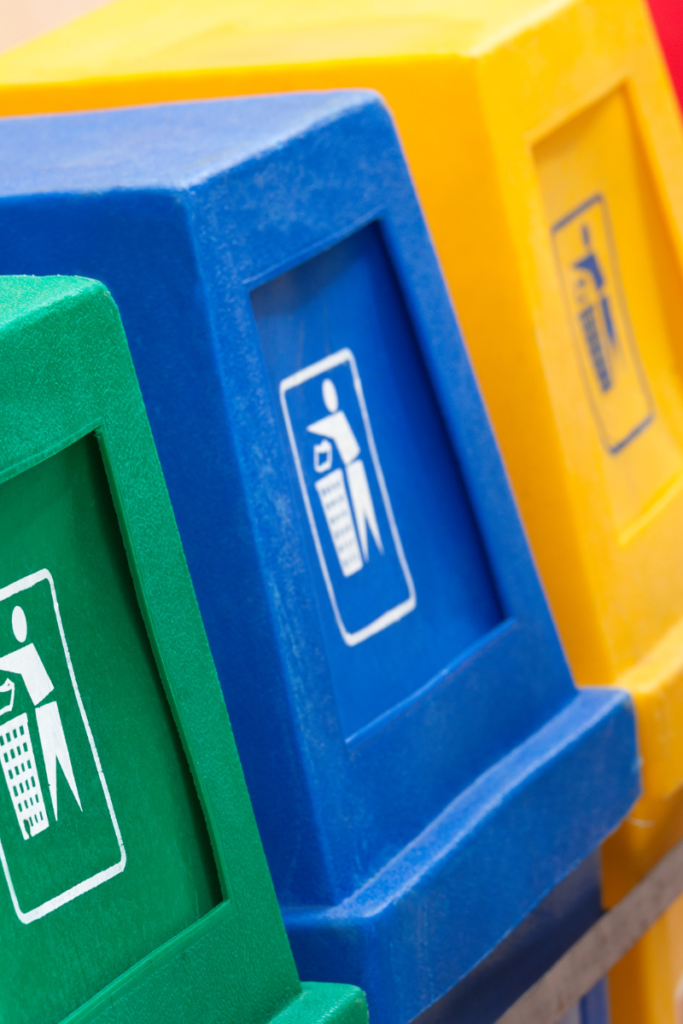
(546, 146)
(134, 886)
(428, 783)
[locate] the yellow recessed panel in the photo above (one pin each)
(548, 152)
(602, 217)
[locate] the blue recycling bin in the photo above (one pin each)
(430, 787)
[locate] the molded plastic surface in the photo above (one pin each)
(341, 499)
(527, 953)
(135, 885)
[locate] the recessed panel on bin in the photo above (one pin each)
(618, 277)
(390, 522)
(132, 881)
(100, 826)
(402, 706)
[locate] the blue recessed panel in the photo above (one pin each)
(430, 787)
(402, 579)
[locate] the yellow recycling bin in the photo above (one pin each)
(547, 148)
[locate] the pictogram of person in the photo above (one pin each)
(336, 430)
(595, 312)
(26, 662)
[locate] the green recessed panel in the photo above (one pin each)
(104, 844)
(133, 885)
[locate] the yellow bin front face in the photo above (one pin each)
(547, 149)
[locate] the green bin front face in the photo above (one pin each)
(133, 884)
(104, 848)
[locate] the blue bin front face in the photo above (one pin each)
(401, 567)
(423, 771)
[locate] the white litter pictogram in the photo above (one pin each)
(349, 532)
(18, 766)
(27, 663)
(342, 483)
(47, 747)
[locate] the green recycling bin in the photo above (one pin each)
(135, 886)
